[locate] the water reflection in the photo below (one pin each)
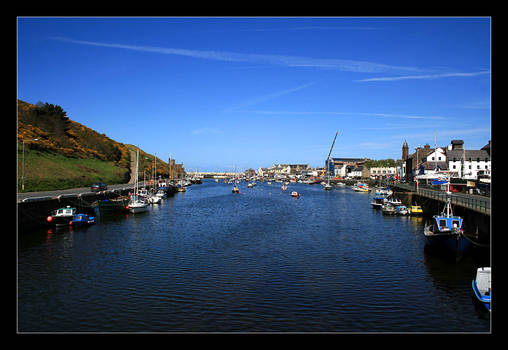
(208, 260)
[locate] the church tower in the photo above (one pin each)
(405, 151)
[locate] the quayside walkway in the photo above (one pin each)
(480, 204)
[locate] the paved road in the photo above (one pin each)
(72, 191)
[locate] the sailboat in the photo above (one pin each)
(136, 204)
(446, 230)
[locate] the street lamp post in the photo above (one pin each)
(23, 165)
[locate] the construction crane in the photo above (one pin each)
(328, 158)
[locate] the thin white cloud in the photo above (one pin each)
(428, 76)
(281, 60)
(205, 131)
(352, 114)
(270, 96)
(311, 28)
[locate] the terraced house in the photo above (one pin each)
(465, 164)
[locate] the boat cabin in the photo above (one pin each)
(67, 211)
(446, 224)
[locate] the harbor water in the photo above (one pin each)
(208, 260)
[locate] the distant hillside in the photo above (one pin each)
(68, 154)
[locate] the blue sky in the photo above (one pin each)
(224, 92)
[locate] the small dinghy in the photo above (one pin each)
(82, 220)
(481, 286)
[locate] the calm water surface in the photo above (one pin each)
(210, 261)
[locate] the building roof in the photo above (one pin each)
(351, 160)
(458, 154)
(432, 165)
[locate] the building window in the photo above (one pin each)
(439, 158)
(454, 167)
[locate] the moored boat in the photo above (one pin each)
(137, 204)
(388, 209)
(107, 206)
(377, 202)
(446, 230)
(295, 194)
(61, 216)
(481, 286)
(401, 210)
(82, 220)
(415, 210)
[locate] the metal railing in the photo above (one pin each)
(477, 203)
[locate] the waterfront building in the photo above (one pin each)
(377, 172)
(465, 164)
(341, 167)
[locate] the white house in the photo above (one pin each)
(468, 164)
(383, 171)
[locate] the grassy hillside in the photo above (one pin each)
(67, 154)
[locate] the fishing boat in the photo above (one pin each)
(114, 205)
(137, 204)
(61, 216)
(161, 193)
(82, 220)
(446, 230)
(295, 194)
(394, 201)
(383, 191)
(361, 187)
(388, 209)
(378, 201)
(415, 210)
(401, 210)
(481, 286)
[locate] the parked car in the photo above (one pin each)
(98, 186)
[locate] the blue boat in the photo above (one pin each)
(481, 286)
(82, 220)
(378, 201)
(446, 230)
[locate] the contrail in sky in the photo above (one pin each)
(429, 76)
(282, 60)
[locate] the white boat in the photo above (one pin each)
(482, 285)
(136, 203)
(388, 209)
(383, 191)
(394, 201)
(161, 194)
(361, 187)
(155, 199)
(401, 210)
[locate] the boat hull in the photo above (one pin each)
(138, 209)
(481, 299)
(451, 242)
(61, 220)
(112, 206)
